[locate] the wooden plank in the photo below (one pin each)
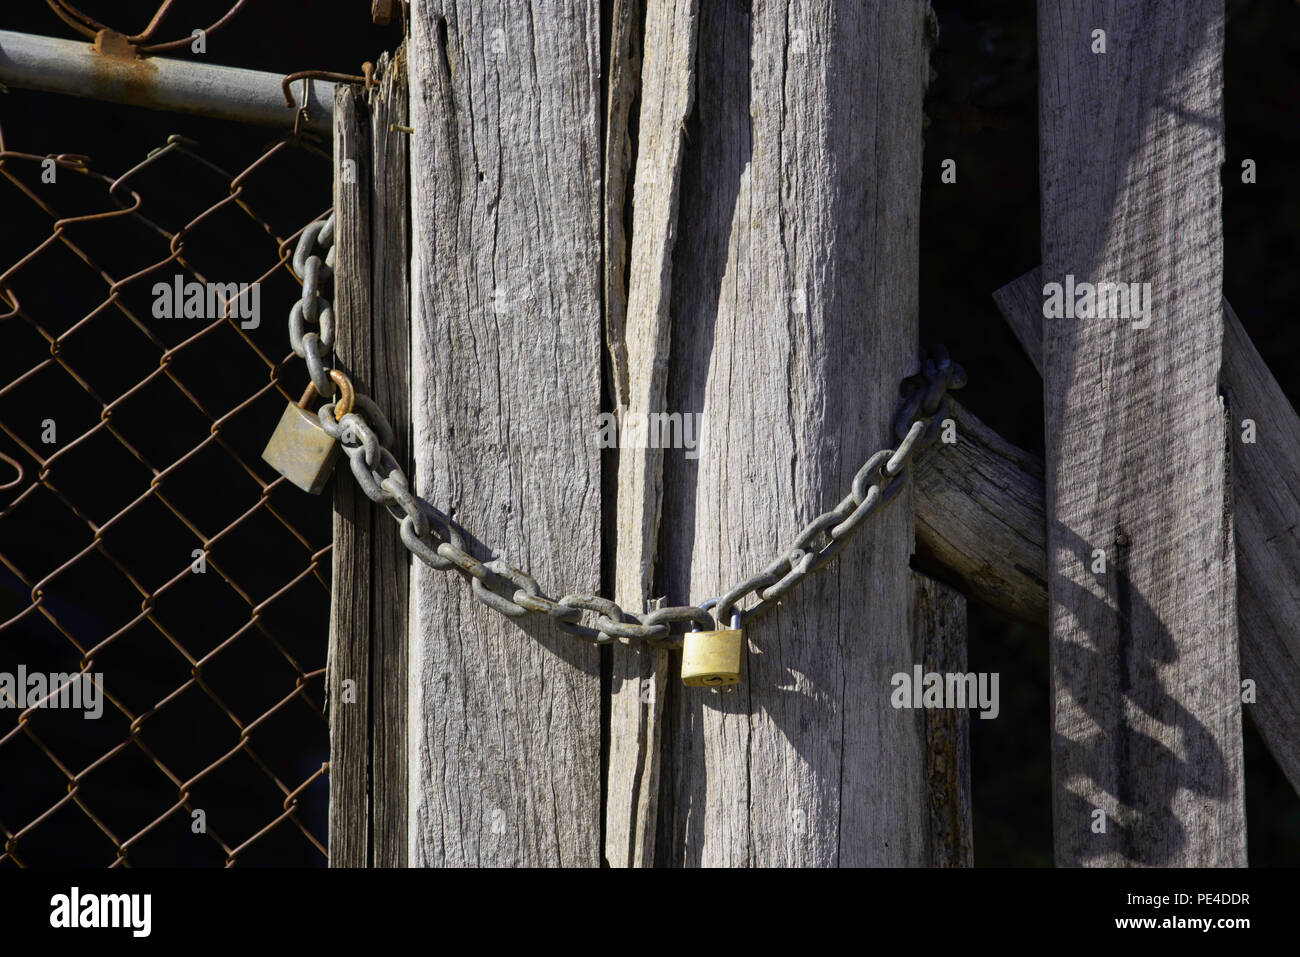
(980, 521)
(1266, 500)
(794, 317)
(637, 691)
(506, 294)
(350, 612)
(1266, 507)
(625, 44)
(391, 363)
(939, 642)
(637, 697)
(1146, 704)
(624, 752)
(1021, 305)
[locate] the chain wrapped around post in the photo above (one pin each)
(365, 436)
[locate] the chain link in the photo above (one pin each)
(365, 435)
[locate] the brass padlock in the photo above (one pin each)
(711, 659)
(300, 449)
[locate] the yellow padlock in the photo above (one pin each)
(711, 659)
(299, 448)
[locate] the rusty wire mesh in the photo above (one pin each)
(88, 26)
(143, 542)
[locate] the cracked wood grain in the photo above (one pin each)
(980, 521)
(640, 673)
(794, 316)
(351, 601)
(390, 364)
(939, 636)
(623, 83)
(506, 339)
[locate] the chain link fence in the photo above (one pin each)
(163, 592)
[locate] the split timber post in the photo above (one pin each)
(773, 290)
(791, 289)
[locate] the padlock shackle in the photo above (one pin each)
(347, 394)
(735, 613)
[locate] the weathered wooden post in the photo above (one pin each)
(368, 786)
(792, 305)
(1147, 758)
(772, 268)
(506, 338)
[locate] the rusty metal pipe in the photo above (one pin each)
(184, 86)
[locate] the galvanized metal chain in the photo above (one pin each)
(365, 436)
(920, 419)
(314, 306)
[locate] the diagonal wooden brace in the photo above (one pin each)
(980, 520)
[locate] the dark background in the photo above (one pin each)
(976, 236)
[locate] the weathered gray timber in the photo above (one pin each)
(1266, 506)
(1266, 509)
(622, 86)
(980, 521)
(1146, 699)
(350, 613)
(939, 636)
(794, 316)
(640, 674)
(390, 368)
(506, 339)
